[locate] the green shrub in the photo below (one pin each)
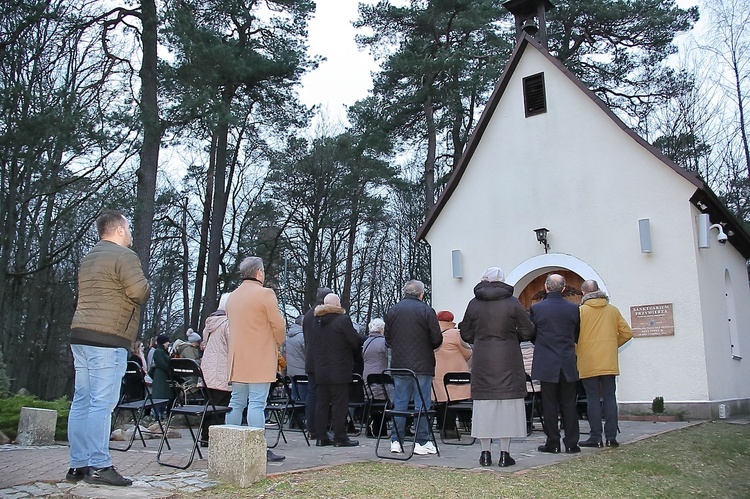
(10, 413)
(657, 406)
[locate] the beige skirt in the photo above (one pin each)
(499, 419)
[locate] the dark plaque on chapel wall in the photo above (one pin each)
(652, 320)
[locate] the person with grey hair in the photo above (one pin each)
(413, 333)
(495, 322)
(603, 331)
(375, 354)
(558, 325)
(256, 331)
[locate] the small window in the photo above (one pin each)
(534, 98)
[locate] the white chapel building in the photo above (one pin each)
(547, 153)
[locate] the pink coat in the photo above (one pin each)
(451, 357)
(256, 330)
(215, 362)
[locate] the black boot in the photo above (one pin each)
(485, 458)
(505, 459)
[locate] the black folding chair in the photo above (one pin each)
(533, 402)
(189, 369)
(375, 404)
(357, 403)
(465, 406)
(391, 412)
(295, 409)
(277, 408)
(137, 408)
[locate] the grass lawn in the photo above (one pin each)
(707, 460)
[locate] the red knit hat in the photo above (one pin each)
(445, 316)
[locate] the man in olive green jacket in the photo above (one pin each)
(111, 290)
(603, 331)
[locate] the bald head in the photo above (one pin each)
(554, 283)
(332, 299)
(589, 286)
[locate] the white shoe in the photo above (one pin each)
(423, 450)
(396, 447)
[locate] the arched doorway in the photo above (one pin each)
(528, 277)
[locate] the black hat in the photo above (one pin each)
(161, 339)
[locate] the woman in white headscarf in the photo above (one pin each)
(495, 322)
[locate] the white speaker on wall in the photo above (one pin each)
(456, 264)
(704, 222)
(644, 231)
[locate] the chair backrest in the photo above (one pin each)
(378, 380)
(188, 369)
(133, 383)
(408, 373)
(458, 378)
(357, 390)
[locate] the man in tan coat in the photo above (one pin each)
(603, 331)
(256, 330)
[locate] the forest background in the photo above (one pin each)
(186, 115)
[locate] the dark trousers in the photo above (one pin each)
(310, 405)
(335, 396)
(560, 398)
(600, 394)
(217, 397)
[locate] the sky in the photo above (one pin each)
(345, 76)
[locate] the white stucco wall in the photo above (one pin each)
(574, 171)
(727, 376)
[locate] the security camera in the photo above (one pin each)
(721, 236)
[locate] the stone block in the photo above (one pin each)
(36, 426)
(237, 454)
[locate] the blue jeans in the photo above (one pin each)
(250, 395)
(600, 395)
(404, 391)
(98, 377)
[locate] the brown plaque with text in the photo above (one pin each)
(652, 320)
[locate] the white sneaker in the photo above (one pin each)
(396, 447)
(423, 450)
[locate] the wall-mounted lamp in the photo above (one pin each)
(541, 236)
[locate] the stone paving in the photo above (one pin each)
(40, 471)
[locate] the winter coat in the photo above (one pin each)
(111, 290)
(451, 357)
(160, 388)
(215, 362)
(295, 351)
(375, 356)
(308, 332)
(189, 351)
(557, 324)
(603, 331)
(256, 330)
(496, 323)
(338, 345)
(413, 333)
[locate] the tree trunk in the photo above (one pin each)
(429, 163)
(146, 188)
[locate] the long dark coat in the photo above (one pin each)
(495, 322)
(338, 346)
(160, 388)
(558, 325)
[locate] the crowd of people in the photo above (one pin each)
(240, 355)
